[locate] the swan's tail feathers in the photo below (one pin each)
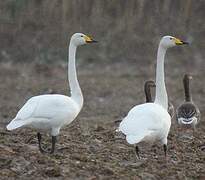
(15, 123)
(136, 138)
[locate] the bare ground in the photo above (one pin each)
(89, 148)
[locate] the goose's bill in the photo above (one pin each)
(179, 42)
(89, 39)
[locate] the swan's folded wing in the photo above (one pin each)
(146, 117)
(136, 138)
(23, 116)
(28, 109)
(137, 130)
(135, 124)
(46, 106)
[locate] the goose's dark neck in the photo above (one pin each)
(187, 89)
(147, 91)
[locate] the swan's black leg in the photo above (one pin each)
(165, 150)
(137, 151)
(53, 144)
(52, 147)
(39, 143)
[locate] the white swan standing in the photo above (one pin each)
(151, 122)
(51, 112)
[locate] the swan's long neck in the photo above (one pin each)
(76, 93)
(161, 93)
(187, 90)
(147, 91)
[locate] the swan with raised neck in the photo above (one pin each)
(50, 112)
(151, 121)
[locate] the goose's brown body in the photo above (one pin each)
(188, 113)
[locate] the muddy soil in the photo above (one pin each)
(89, 148)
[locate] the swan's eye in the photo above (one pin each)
(170, 38)
(81, 36)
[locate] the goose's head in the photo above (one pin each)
(81, 39)
(170, 41)
(149, 84)
(187, 77)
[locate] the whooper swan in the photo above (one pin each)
(151, 122)
(52, 111)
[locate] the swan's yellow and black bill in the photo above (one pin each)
(89, 39)
(179, 42)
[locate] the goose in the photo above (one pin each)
(150, 122)
(147, 89)
(188, 113)
(50, 112)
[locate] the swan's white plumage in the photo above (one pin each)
(46, 112)
(146, 122)
(151, 121)
(51, 112)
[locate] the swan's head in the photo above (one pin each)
(81, 39)
(170, 41)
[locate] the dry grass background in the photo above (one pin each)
(128, 30)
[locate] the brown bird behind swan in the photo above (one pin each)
(147, 89)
